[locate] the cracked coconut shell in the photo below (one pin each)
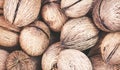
(99, 64)
(21, 12)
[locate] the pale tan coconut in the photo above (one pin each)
(99, 64)
(18, 60)
(110, 48)
(21, 12)
(34, 39)
(49, 59)
(8, 33)
(53, 16)
(79, 33)
(76, 8)
(106, 15)
(3, 57)
(57, 58)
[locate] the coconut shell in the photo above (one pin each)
(53, 16)
(34, 39)
(71, 59)
(57, 58)
(99, 64)
(8, 33)
(106, 15)
(110, 48)
(76, 8)
(18, 60)
(49, 59)
(79, 33)
(21, 12)
(3, 57)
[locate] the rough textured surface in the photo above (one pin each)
(79, 34)
(50, 57)
(8, 34)
(106, 15)
(3, 57)
(18, 60)
(76, 8)
(6, 25)
(110, 48)
(8, 38)
(71, 59)
(53, 16)
(34, 39)
(96, 49)
(21, 12)
(57, 58)
(48, 1)
(99, 64)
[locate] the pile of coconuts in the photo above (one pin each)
(59, 34)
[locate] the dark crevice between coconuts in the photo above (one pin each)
(54, 67)
(1, 8)
(41, 30)
(16, 11)
(65, 8)
(112, 53)
(9, 30)
(48, 2)
(101, 20)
